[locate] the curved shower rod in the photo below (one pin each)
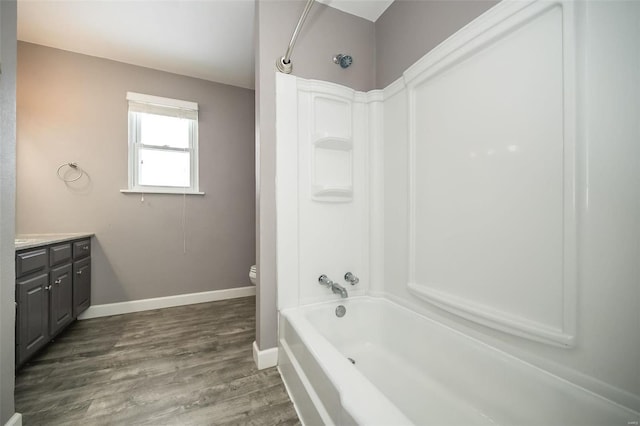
(284, 64)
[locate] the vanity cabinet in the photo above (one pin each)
(32, 316)
(53, 286)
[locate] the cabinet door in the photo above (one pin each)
(81, 286)
(60, 298)
(32, 315)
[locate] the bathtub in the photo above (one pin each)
(382, 364)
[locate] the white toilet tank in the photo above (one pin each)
(252, 274)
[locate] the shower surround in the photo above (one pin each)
(473, 197)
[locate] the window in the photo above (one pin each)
(163, 144)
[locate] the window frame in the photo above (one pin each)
(190, 109)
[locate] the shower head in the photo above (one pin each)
(343, 60)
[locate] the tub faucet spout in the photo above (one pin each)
(335, 287)
(338, 289)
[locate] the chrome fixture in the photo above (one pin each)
(324, 280)
(344, 61)
(338, 289)
(351, 279)
(73, 168)
(335, 287)
(340, 311)
(284, 64)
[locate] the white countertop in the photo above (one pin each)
(25, 241)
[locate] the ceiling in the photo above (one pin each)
(207, 39)
(212, 40)
(367, 9)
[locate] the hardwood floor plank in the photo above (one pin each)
(184, 365)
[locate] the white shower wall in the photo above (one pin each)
(593, 308)
(495, 188)
(323, 188)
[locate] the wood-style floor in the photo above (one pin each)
(189, 365)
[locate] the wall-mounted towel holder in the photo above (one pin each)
(72, 167)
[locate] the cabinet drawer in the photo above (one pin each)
(81, 249)
(59, 254)
(30, 261)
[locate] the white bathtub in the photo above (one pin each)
(412, 370)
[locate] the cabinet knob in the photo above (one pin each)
(48, 287)
(79, 272)
(85, 247)
(58, 281)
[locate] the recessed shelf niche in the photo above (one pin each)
(332, 170)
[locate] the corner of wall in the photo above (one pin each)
(8, 47)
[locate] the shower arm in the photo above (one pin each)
(284, 63)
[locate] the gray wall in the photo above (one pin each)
(409, 29)
(8, 19)
(72, 107)
(327, 32)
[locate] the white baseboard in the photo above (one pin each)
(15, 420)
(266, 358)
(109, 309)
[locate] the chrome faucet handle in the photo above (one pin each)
(324, 280)
(352, 279)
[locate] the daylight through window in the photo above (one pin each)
(163, 144)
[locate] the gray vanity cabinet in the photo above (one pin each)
(32, 321)
(53, 286)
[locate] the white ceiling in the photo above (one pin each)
(212, 40)
(367, 9)
(208, 39)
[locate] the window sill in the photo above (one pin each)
(160, 191)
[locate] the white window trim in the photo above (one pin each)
(151, 101)
(158, 100)
(160, 190)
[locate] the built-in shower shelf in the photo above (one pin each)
(332, 170)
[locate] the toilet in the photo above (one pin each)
(252, 274)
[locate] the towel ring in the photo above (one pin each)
(73, 166)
